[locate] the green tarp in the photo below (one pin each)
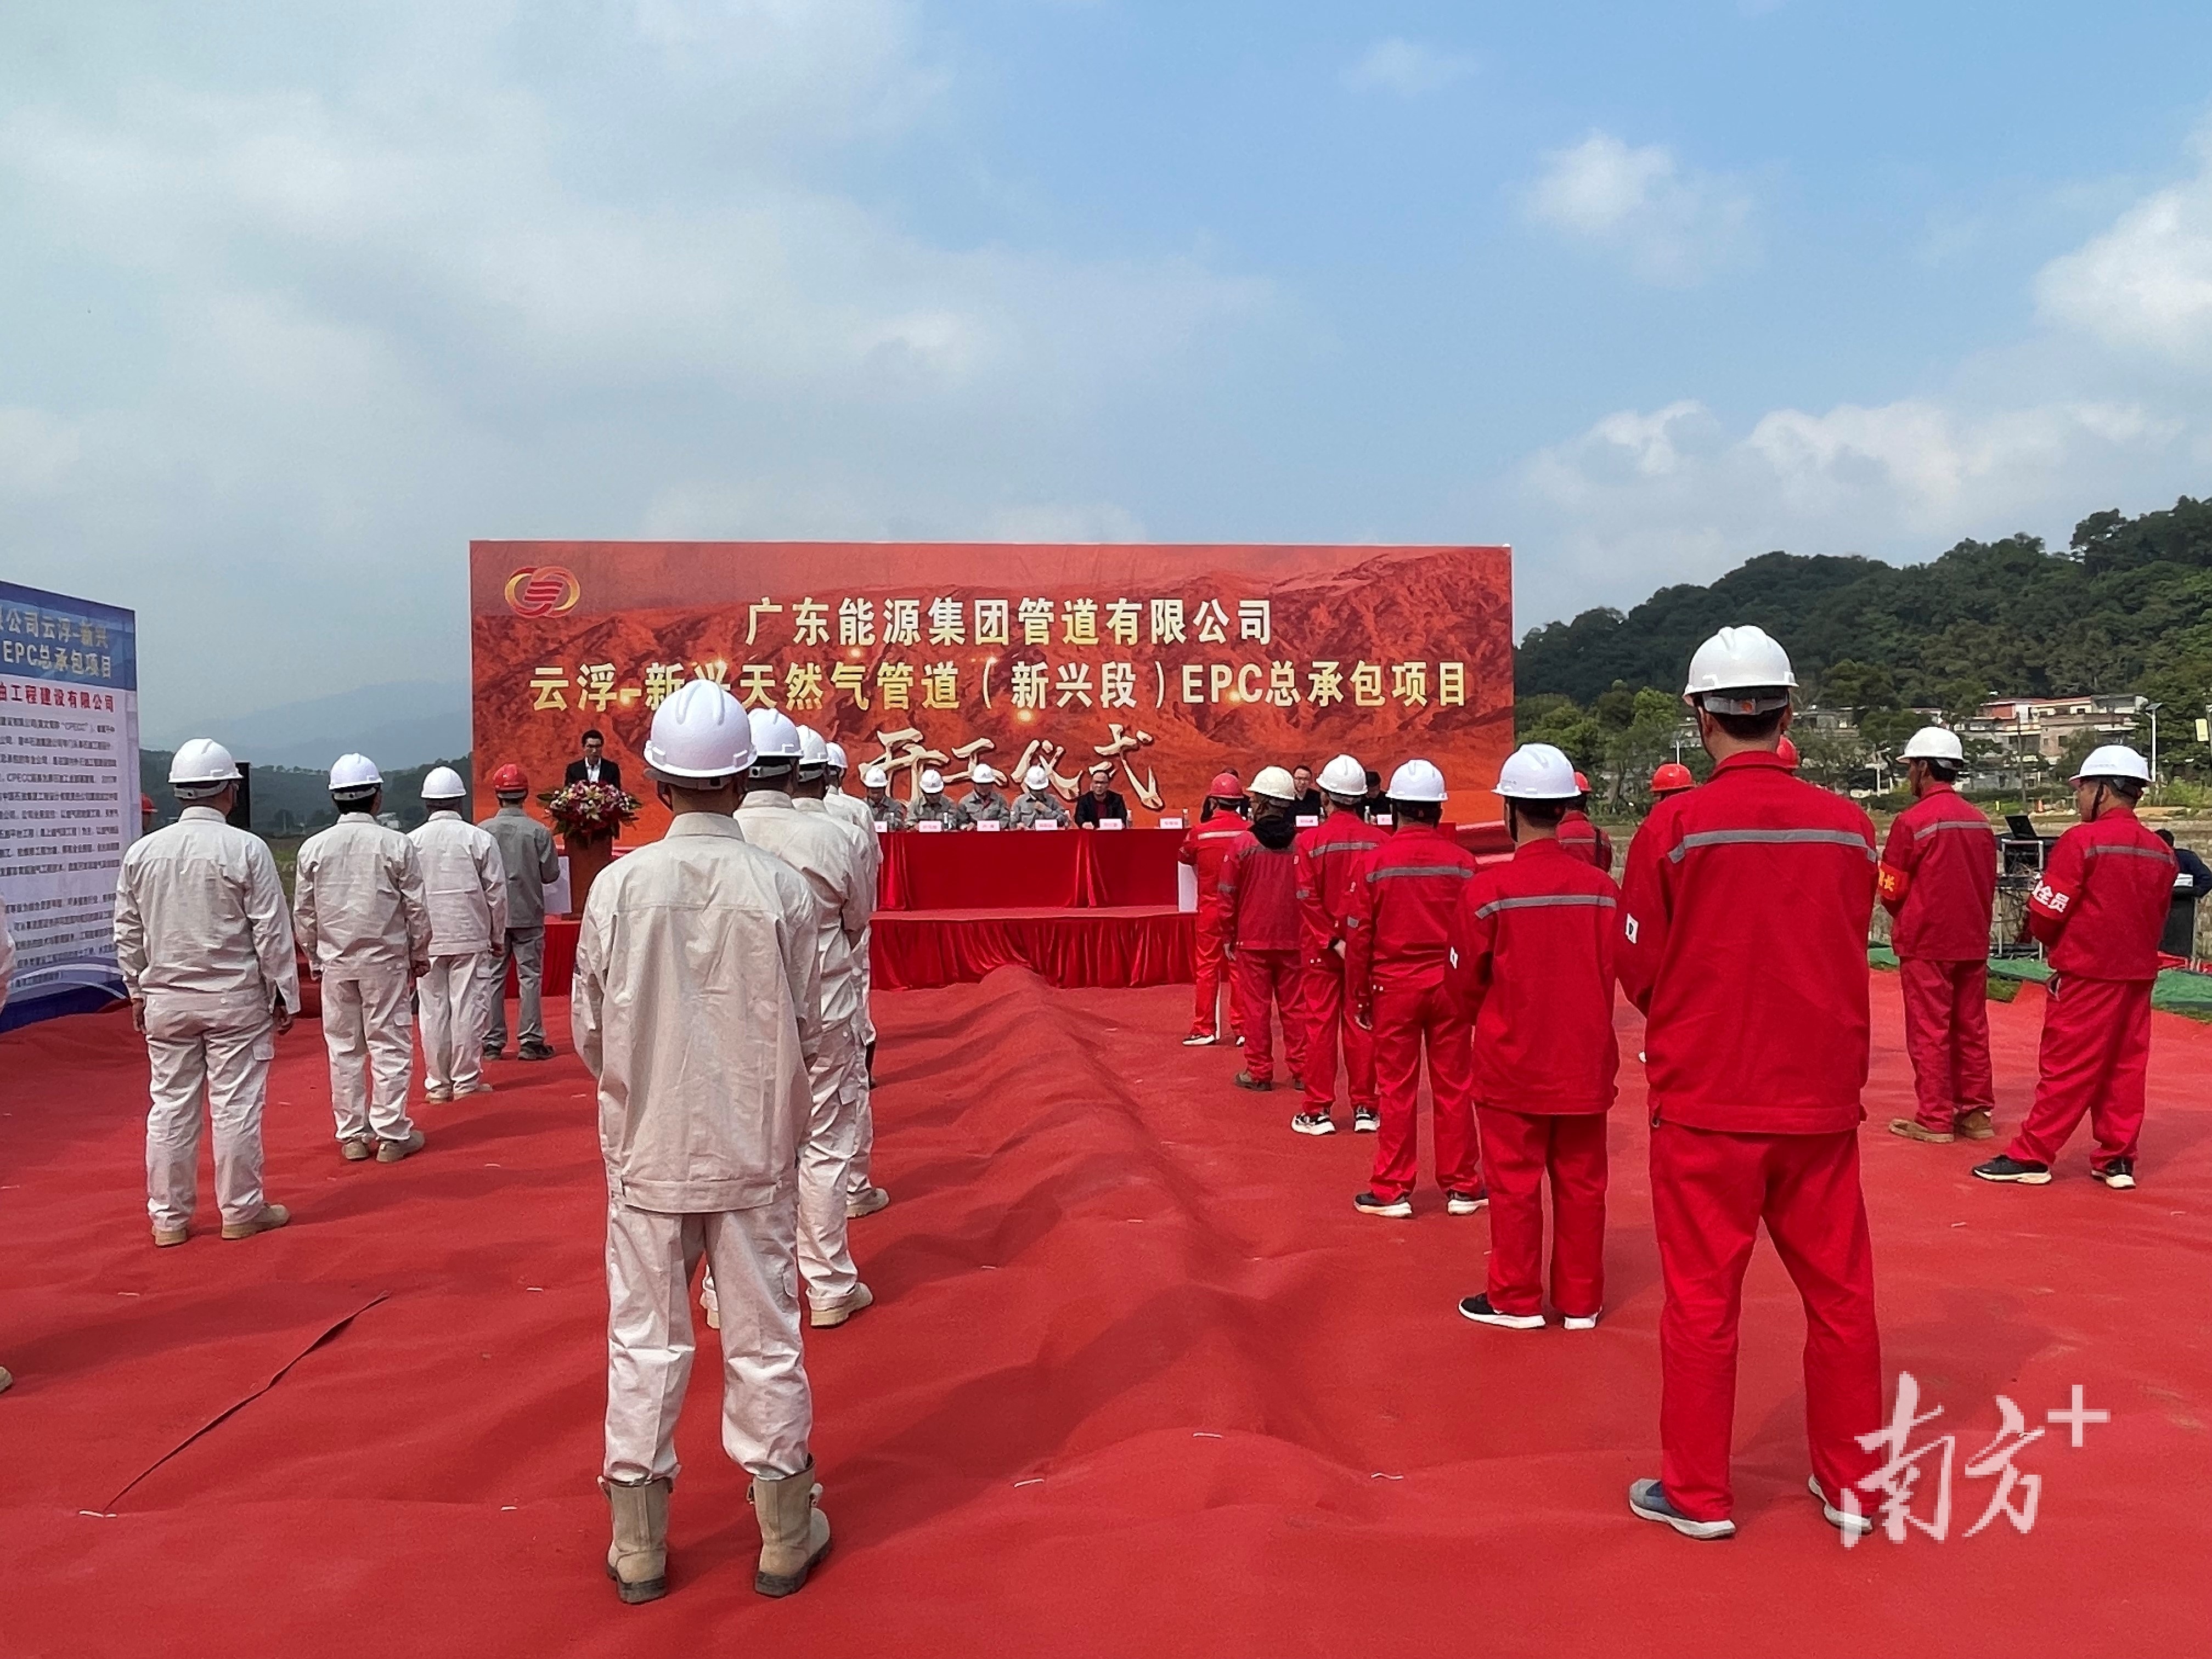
(2177, 990)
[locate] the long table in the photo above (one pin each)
(1028, 869)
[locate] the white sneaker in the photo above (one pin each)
(866, 1202)
(1197, 1040)
(1841, 1520)
(1465, 1203)
(1647, 1500)
(1579, 1321)
(826, 1314)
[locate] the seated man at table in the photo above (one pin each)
(984, 804)
(1037, 804)
(935, 806)
(884, 809)
(1099, 803)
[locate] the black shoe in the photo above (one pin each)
(1369, 1204)
(1246, 1080)
(2011, 1168)
(1648, 1500)
(535, 1051)
(2118, 1174)
(1478, 1308)
(490, 1053)
(1365, 1121)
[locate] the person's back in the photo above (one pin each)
(1744, 941)
(1582, 837)
(525, 848)
(2108, 884)
(1940, 866)
(821, 852)
(845, 808)
(464, 876)
(201, 917)
(1405, 901)
(357, 896)
(1324, 856)
(1259, 896)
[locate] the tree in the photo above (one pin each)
(1858, 687)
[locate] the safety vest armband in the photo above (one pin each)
(2050, 900)
(1892, 881)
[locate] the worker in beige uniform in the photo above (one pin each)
(465, 884)
(205, 949)
(697, 1006)
(862, 1195)
(821, 850)
(357, 901)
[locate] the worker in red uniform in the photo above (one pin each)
(1220, 826)
(1578, 835)
(1398, 923)
(1325, 855)
(1260, 897)
(1671, 778)
(1743, 938)
(1532, 968)
(1938, 881)
(2099, 911)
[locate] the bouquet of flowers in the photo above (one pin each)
(584, 810)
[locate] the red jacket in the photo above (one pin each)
(1260, 896)
(1204, 848)
(1939, 878)
(1743, 931)
(2103, 899)
(1325, 855)
(1578, 833)
(1398, 915)
(1532, 966)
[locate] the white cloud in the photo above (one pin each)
(36, 451)
(2145, 285)
(1407, 69)
(1673, 225)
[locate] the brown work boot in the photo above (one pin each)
(826, 1314)
(794, 1534)
(866, 1202)
(1246, 1080)
(1914, 1131)
(637, 1560)
(167, 1238)
(272, 1216)
(392, 1151)
(357, 1148)
(1976, 1125)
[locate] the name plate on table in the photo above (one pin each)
(930, 827)
(1111, 824)
(990, 823)
(1171, 824)
(880, 827)
(1308, 821)
(1383, 821)
(1046, 824)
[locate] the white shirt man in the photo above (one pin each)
(824, 852)
(697, 1006)
(205, 949)
(357, 900)
(464, 885)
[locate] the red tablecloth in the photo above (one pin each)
(1028, 869)
(559, 956)
(1066, 947)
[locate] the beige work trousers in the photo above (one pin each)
(768, 1405)
(194, 1053)
(453, 1021)
(839, 1081)
(369, 1026)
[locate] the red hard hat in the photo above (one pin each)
(1672, 776)
(510, 779)
(1581, 783)
(1788, 752)
(1225, 786)
(145, 802)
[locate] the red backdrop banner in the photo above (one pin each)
(1170, 662)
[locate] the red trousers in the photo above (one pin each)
(1266, 981)
(1327, 1021)
(1710, 1191)
(1946, 1033)
(1212, 933)
(1519, 1149)
(2096, 1046)
(1407, 1018)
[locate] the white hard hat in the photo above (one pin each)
(1344, 777)
(700, 733)
(1038, 778)
(444, 784)
(1275, 784)
(1935, 742)
(1418, 781)
(933, 783)
(980, 772)
(203, 762)
(876, 778)
(2113, 760)
(774, 736)
(837, 761)
(353, 774)
(1740, 659)
(813, 752)
(1537, 771)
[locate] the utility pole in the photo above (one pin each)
(2155, 707)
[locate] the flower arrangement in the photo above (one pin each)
(587, 810)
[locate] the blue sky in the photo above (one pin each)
(301, 297)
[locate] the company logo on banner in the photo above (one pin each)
(68, 794)
(1169, 664)
(543, 591)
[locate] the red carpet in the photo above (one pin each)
(1139, 1382)
(1072, 949)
